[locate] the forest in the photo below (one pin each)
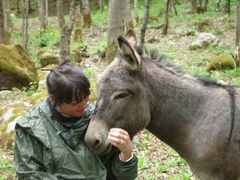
(199, 37)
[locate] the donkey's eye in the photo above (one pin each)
(121, 96)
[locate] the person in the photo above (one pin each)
(49, 141)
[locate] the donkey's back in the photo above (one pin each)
(215, 139)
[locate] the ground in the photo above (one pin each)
(156, 159)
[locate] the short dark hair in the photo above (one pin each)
(67, 82)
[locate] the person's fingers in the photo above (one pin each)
(120, 138)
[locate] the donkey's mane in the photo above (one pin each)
(161, 61)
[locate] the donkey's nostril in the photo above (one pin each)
(96, 143)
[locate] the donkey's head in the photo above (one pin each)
(122, 98)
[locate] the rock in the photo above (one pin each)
(6, 115)
(47, 58)
(11, 125)
(16, 67)
(203, 41)
(221, 62)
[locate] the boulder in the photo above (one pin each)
(16, 68)
(221, 62)
(203, 41)
(47, 58)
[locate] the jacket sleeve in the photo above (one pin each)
(119, 170)
(125, 170)
(28, 157)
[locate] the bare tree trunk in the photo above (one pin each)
(205, 7)
(78, 26)
(174, 7)
(19, 6)
(136, 17)
(101, 4)
(218, 2)
(43, 13)
(227, 6)
(2, 40)
(128, 17)
(238, 25)
(66, 29)
(8, 25)
(25, 12)
(116, 22)
(87, 19)
(165, 28)
(193, 6)
(145, 22)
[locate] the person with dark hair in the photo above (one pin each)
(49, 140)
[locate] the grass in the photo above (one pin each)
(6, 170)
(156, 159)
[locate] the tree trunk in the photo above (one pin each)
(205, 7)
(218, 2)
(116, 22)
(193, 6)
(136, 17)
(8, 24)
(172, 4)
(145, 22)
(2, 40)
(165, 28)
(78, 26)
(101, 4)
(87, 19)
(238, 25)
(25, 13)
(43, 13)
(227, 6)
(65, 29)
(128, 17)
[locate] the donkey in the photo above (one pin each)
(198, 118)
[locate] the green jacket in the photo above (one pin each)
(43, 151)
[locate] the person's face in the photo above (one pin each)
(73, 109)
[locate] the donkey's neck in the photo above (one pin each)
(175, 102)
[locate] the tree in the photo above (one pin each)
(8, 25)
(145, 22)
(227, 6)
(136, 17)
(77, 37)
(2, 40)
(43, 13)
(117, 21)
(5, 22)
(165, 28)
(101, 4)
(66, 28)
(218, 2)
(87, 19)
(25, 13)
(198, 7)
(128, 17)
(238, 25)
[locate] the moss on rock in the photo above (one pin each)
(16, 67)
(221, 62)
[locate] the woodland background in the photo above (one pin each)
(49, 31)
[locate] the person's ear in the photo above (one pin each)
(52, 99)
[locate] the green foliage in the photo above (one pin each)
(156, 160)
(6, 170)
(33, 87)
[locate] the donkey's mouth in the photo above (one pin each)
(102, 149)
(107, 150)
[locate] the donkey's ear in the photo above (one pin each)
(131, 37)
(129, 54)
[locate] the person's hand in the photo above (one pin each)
(120, 139)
